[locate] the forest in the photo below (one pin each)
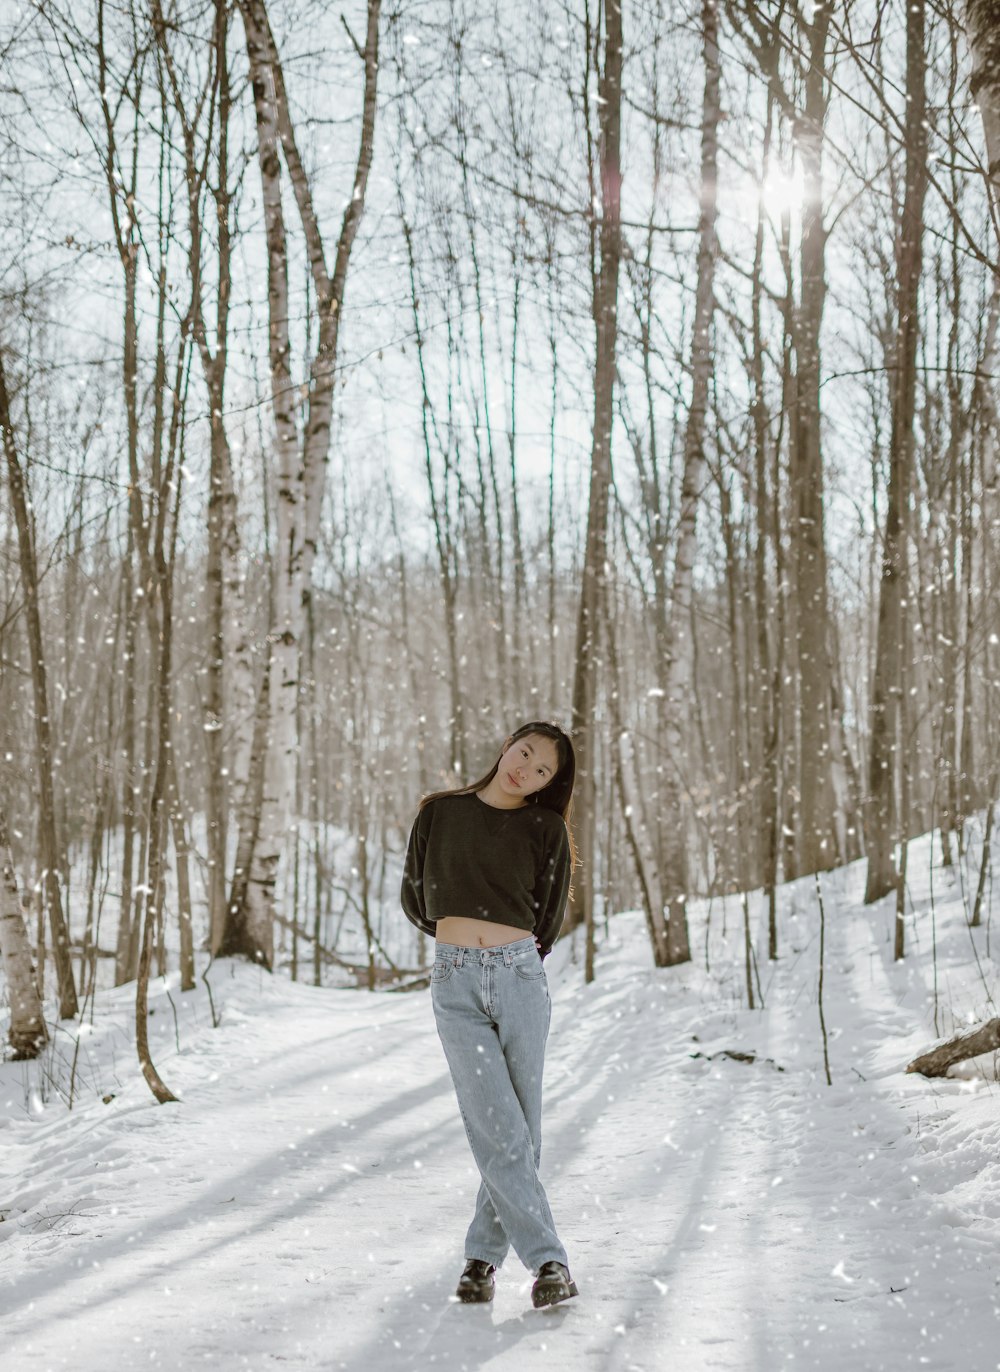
(378, 379)
(374, 381)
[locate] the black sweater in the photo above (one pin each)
(468, 858)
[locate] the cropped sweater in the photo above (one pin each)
(468, 858)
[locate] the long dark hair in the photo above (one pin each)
(556, 794)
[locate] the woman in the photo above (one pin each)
(487, 873)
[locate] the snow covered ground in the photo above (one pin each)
(304, 1206)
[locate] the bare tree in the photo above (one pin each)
(886, 740)
(300, 468)
(442, 479)
(27, 1034)
(816, 845)
(51, 855)
(230, 695)
(592, 594)
(679, 648)
(983, 30)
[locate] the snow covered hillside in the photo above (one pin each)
(304, 1206)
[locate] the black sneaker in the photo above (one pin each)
(552, 1285)
(476, 1283)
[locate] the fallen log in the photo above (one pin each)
(983, 1039)
(737, 1055)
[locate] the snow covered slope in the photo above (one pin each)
(304, 1206)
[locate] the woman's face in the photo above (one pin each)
(527, 765)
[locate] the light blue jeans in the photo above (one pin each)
(492, 1009)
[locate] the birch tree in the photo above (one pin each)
(300, 466)
(27, 1034)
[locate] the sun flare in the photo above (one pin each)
(782, 193)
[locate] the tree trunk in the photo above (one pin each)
(156, 828)
(985, 1039)
(88, 950)
(884, 809)
(639, 832)
(983, 31)
(605, 313)
(736, 830)
(441, 520)
(679, 674)
(984, 861)
(27, 1034)
(50, 854)
(229, 697)
(767, 686)
(129, 616)
(816, 847)
(182, 852)
(300, 478)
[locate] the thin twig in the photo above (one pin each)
(822, 951)
(357, 46)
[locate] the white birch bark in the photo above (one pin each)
(300, 470)
(27, 1034)
(278, 737)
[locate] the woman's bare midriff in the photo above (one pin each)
(476, 933)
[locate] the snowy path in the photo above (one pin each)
(305, 1206)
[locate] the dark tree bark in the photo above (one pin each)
(157, 816)
(816, 848)
(442, 520)
(884, 762)
(679, 675)
(983, 30)
(605, 313)
(229, 694)
(129, 614)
